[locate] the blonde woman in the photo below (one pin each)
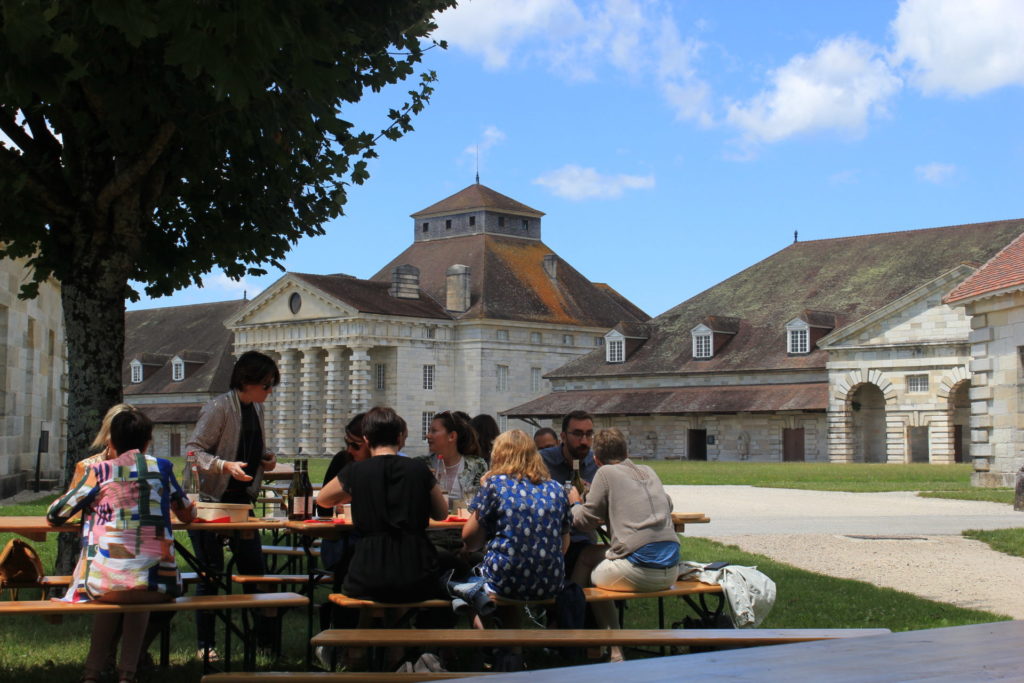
(522, 516)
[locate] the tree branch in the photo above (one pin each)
(42, 135)
(135, 172)
(39, 191)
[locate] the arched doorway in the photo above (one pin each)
(867, 408)
(960, 418)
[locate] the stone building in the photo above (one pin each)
(32, 380)
(830, 350)
(993, 297)
(175, 360)
(470, 317)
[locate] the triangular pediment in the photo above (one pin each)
(917, 317)
(290, 299)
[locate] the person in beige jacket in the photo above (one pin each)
(643, 554)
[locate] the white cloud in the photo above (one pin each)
(576, 40)
(576, 183)
(491, 136)
(964, 47)
(223, 282)
(845, 177)
(935, 172)
(494, 29)
(838, 87)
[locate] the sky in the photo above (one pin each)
(672, 144)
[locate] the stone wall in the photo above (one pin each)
(996, 340)
(32, 379)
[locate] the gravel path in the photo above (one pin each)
(895, 539)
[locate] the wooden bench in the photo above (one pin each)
(685, 589)
(325, 676)
(45, 583)
(377, 637)
(188, 603)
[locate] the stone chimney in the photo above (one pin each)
(551, 265)
(457, 288)
(405, 282)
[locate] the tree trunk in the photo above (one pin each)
(94, 329)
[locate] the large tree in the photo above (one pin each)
(155, 141)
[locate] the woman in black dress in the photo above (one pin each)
(393, 499)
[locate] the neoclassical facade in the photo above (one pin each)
(835, 350)
(471, 316)
(32, 380)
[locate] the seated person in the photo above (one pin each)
(129, 554)
(644, 551)
(522, 515)
(393, 499)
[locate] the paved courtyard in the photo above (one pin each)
(892, 539)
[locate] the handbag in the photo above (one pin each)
(19, 564)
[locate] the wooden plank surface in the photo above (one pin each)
(347, 676)
(580, 637)
(187, 603)
(958, 654)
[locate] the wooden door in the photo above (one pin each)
(175, 450)
(793, 445)
(958, 443)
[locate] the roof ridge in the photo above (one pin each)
(903, 232)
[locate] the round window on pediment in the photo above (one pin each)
(295, 302)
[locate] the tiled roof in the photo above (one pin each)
(156, 335)
(476, 198)
(678, 401)
(369, 296)
(172, 413)
(1004, 270)
(508, 282)
(849, 277)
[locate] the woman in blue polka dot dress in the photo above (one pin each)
(523, 516)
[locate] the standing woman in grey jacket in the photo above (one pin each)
(230, 444)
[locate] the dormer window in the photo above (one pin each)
(798, 337)
(177, 369)
(702, 342)
(136, 368)
(615, 350)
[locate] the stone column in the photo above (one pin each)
(359, 378)
(940, 440)
(271, 408)
(335, 413)
(288, 396)
(312, 403)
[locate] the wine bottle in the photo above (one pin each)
(300, 494)
(577, 479)
(190, 478)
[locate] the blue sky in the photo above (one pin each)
(672, 144)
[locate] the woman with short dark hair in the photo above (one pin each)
(126, 503)
(393, 499)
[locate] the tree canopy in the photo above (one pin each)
(155, 141)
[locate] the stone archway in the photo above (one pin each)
(867, 417)
(960, 420)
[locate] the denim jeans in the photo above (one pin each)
(208, 548)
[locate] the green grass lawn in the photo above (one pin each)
(1009, 541)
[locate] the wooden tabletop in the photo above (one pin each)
(979, 652)
(36, 528)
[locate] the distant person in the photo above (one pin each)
(644, 552)
(486, 432)
(577, 435)
(230, 444)
(545, 437)
(393, 500)
(129, 543)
